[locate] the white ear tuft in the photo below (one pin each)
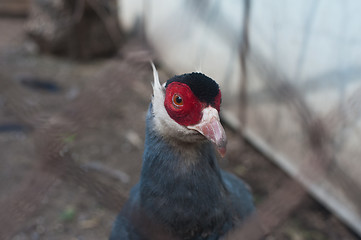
(158, 92)
(157, 88)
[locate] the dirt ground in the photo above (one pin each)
(112, 144)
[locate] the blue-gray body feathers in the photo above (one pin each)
(182, 194)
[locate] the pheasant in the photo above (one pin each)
(182, 192)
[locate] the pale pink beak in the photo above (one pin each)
(210, 127)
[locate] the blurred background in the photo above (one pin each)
(75, 84)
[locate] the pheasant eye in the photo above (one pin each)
(177, 100)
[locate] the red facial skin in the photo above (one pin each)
(190, 111)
